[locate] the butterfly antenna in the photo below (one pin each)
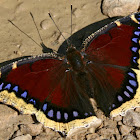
(71, 23)
(58, 29)
(42, 43)
(24, 33)
(36, 27)
(71, 19)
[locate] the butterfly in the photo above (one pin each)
(57, 88)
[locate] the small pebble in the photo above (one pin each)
(118, 118)
(138, 134)
(137, 109)
(132, 118)
(23, 137)
(92, 136)
(45, 24)
(125, 130)
(114, 8)
(129, 137)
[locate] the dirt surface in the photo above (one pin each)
(87, 18)
(14, 44)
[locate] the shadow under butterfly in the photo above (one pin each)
(57, 88)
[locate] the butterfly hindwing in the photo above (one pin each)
(46, 88)
(114, 62)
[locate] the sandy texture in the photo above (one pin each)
(14, 44)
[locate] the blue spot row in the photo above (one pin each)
(51, 113)
(133, 83)
(66, 116)
(129, 89)
(137, 33)
(24, 94)
(138, 15)
(135, 59)
(15, 88)
(58, 115)
(1, 86)
(75, 113)
(8, 86)
(135, 40)
(138, 19)
(32, 101)
(112, 106)
(120, 98)
(86, 114)
(134, 49)
(45, 107)
(127, 94)
(131, 74)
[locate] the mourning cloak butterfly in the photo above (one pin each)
(58, 89)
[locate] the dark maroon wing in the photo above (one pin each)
(52, 92)
(113, 60)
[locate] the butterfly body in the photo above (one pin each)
(58, 89)
(75, 60)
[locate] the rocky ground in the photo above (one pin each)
(87, 18)
(15, 126)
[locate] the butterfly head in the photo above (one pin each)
(75, 59)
